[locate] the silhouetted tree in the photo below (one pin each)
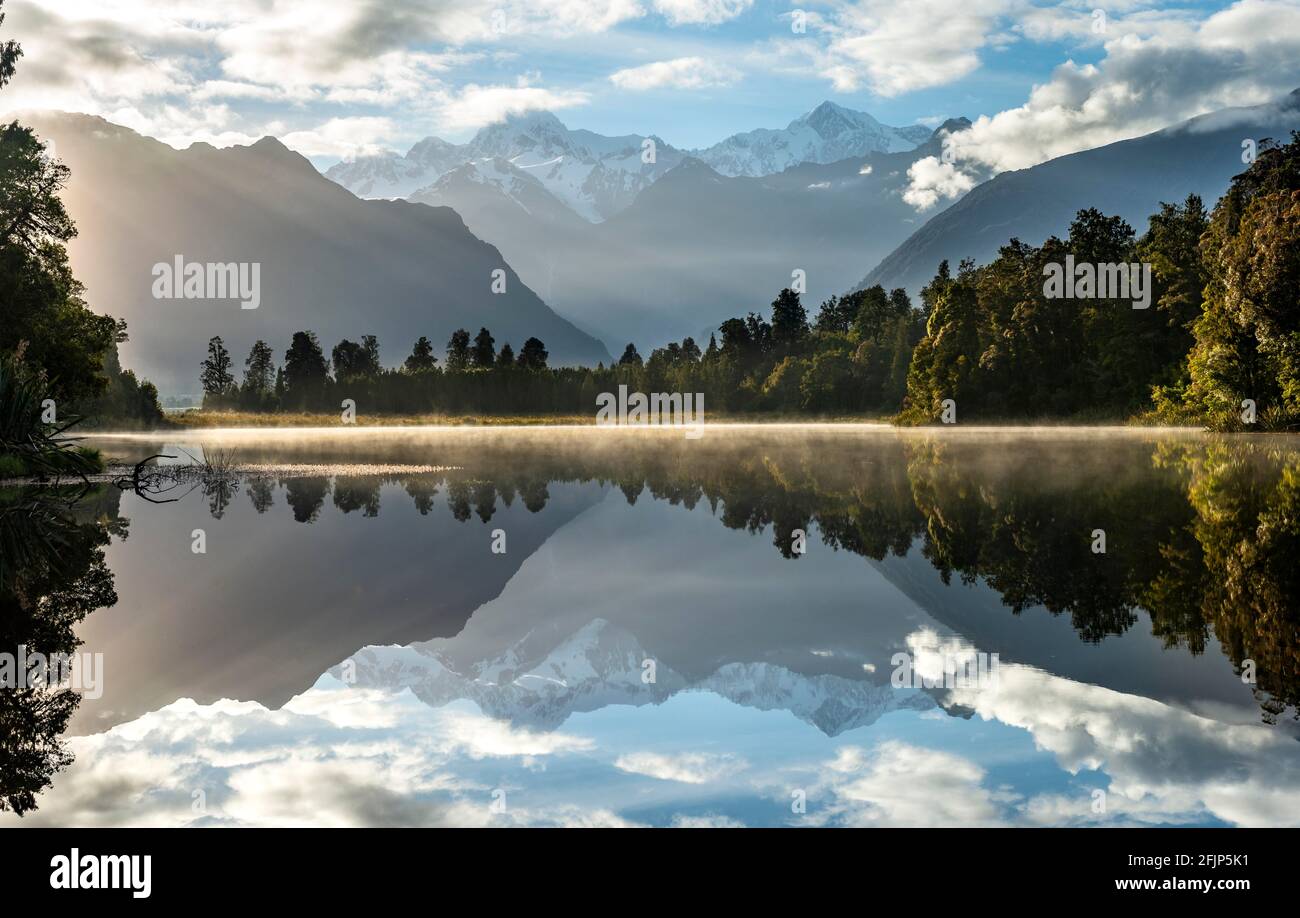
(789, 318)
(216, 377)
(305, 370)
(484, 354)
(630, 356)
(533, 355)
(259, 372)
(458, 350)
(421, 358)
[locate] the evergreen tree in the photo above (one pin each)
(506, 358)
(421, 358)
(216, 378)
(356, 361)
(458, 350)
(630, 356)
(484, 354)
(259, 370)
(305, 371)
(837, 313)
(533, 355)
(789, 318)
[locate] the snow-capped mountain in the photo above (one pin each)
(602, 664)
(594, 175)
(497, 180)
(598, 176)
(827, 134)
(391, 175)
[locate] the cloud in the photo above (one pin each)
(145, 57)
(342, 137)
(679, 73)
(709, 821)
(1164, 764)
(701, 12)
(475, 106)
(893, 48)
(333, 756)
(1244, 55)
(899, 784)
(686, 767)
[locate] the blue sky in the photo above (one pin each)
(338, 79)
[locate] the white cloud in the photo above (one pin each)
(342, 137)
(152, 58)
(1164, 764)
(701, 12)
(686, 767)
(710, 821)
(333, 756)
(893, 48)
(679, 73)
(1245, 55)
(898, 784)
(475, 106)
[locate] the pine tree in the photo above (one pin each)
(259, 370)
(533, 355)
(789, 318)
(421, 358)
(630, 356)
(216, 378)
(458, 350)
(483, 356)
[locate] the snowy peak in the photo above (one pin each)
(831, 121)
(597, 176)
(593, 175)
(541, 682)
(826, 134)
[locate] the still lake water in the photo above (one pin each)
(651, 647)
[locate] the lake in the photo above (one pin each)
(777, 625)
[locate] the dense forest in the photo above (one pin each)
(1218, 342)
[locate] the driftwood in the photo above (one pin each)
(146, 483)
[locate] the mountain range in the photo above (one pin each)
(329, 261)
(597, 176)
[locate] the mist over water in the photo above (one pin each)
(618, 626)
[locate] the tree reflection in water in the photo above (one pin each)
(52, 575)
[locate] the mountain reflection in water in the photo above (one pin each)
(652, 648)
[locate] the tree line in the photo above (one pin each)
(852, 357)
(1222, 327)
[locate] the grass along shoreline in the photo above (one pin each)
(209, 419)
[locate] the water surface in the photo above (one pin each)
(653, 648)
